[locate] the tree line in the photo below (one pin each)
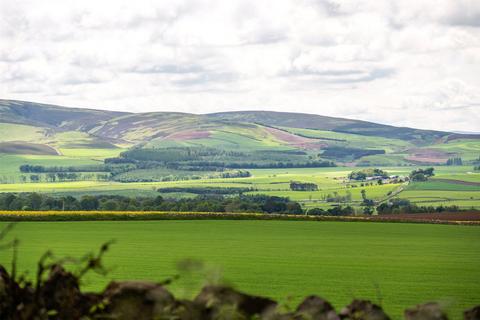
(457, 161)
(250, 203)
(303, 186)
(64, 176)
(338, 152)
(398, 205)
(28, 168)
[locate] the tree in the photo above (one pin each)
(364, 194)
(51, 176)
(316, 211)
(366, 202)
(89, 203)
(35, 201)
(303, 186)
(368, 210)
(421, 174)
(109, 205)
(457, 161)
(418, 177)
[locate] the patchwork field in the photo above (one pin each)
(286, 260)
(451, 185)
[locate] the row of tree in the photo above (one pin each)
(303, 186)
(256, 203)
(455, 162)
(405, 206)
(28, 168)
(365, 173)
(206, 190)
(334, 211)
(64, 176)
(338, 152)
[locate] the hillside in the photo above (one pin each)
(258, 136)
(317, 122)
(112, 124)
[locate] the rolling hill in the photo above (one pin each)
(73, 131)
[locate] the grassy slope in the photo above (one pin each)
(338, 261)
(467, 149)
(75, 148)
(19, 132)
(9, 170)
(229, 137)
(312, 121)
(354, 140)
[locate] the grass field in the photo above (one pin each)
(337, 260)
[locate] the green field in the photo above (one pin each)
(397, 265)
(449, 190)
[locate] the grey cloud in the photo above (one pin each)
(461, 107)
(344, 76)
(266, 37)
(464, 13)
(468, 19)
(167, 68)
(331, 72)
(79, 78)
(207, 78)
(14, 56)
(328, 7)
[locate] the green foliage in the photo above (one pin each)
(454, 161)
(370, 172)
(334, 211)
(303, 186)
(346, 153)
(253, 203)
(28, 168)
(206, 190)
(398, 205)
(339, 198)
(421, 174)
(126, 168)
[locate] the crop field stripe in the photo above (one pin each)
(18, 216)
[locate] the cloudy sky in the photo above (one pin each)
(409, 62)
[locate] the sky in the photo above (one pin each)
(408, 63)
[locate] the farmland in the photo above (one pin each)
(281, 259)
(443, 189)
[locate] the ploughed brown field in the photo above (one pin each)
(444, 216)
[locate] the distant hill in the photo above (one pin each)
(317, 122)
(338, 139)
(46, 115)
(117, 124)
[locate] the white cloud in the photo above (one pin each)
(407, 62)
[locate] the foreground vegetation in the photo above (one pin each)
(338, 261)
(57, 295)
